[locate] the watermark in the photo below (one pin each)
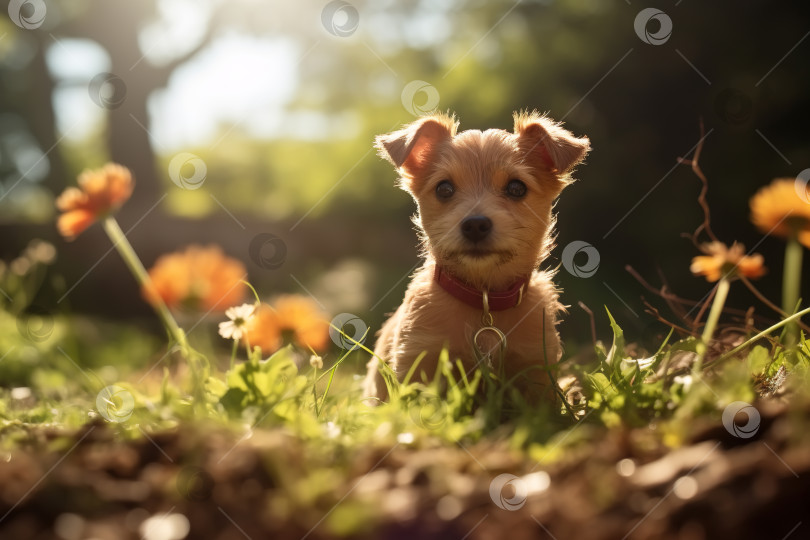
(194, 483)
(586, 269)
(733, 106)
(428, 101)
(750, 428)
(115, 404)
(508, 492)
(27, 14)
(340, 18)
(107, 90)
(642, 26)
(346, 329)
(801, 185)
(267, 251)
(36, 326)
(429, 411)
(187, 171)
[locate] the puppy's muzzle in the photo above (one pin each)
(476, 228)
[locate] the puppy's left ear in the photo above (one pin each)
(547, 144)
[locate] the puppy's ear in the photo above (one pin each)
(546, 143)
(413, 148)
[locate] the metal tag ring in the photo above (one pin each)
(498, 332)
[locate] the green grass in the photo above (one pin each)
(65, 376)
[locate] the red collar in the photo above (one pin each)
(498, 300)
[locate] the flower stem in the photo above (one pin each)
(711, 323)
(121, 243)
(252, 288)
(315, 391)
(791, 284)
(233, 353)
(764, 333)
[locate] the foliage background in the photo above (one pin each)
(283, 114)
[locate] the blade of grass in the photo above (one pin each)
(412, 370)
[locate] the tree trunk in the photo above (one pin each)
(41, 117)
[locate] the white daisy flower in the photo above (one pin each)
(237, 325)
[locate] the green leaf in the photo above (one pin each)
(632, 375)
(601, 384)
(617, 402)
(233, 401)
(758, 359)
(616, 353)
(214, 386)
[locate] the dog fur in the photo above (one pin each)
(541, 154)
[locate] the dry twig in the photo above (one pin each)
(694, 163)
(587, 310)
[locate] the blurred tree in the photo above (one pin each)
(117, 25)
(28, 173)
(318, 181)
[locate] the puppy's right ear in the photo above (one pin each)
(414, 148)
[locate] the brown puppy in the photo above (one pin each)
(484, 210)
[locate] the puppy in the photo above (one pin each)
(485, 219)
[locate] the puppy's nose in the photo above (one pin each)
(476, 228)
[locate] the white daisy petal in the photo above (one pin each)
(247, 311)
(227, 329)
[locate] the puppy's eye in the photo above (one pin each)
(445, 190)
(516, 189)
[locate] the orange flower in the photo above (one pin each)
(783, 208)
(100, 192)
(200, 278)
(731, 261)
(292, 313)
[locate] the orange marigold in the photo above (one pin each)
(298, 315)
(783, 208)
(100, 192)
(200, 278)
(720, 260)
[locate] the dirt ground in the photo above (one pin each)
(210, 483)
